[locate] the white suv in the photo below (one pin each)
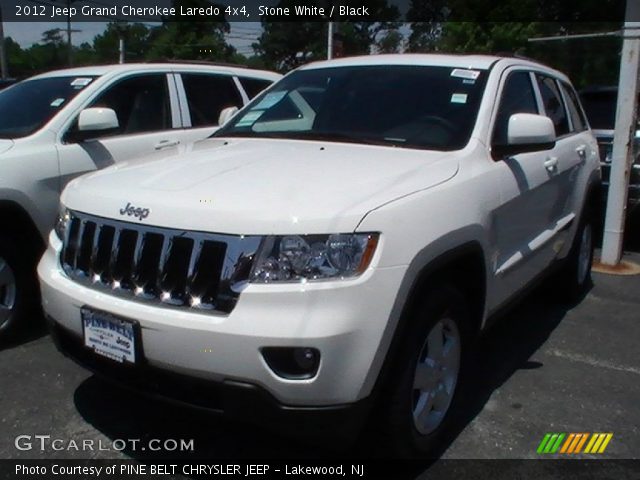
(56, 126)
(341, 240)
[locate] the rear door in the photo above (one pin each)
(569, 152)
(148, 116)
(584, 146)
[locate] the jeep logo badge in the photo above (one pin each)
(140, 213)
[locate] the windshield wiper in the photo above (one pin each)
(314, 135)
(345, 137)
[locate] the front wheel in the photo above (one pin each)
(426, 379)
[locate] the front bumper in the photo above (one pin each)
(239, 400)
(344, 320)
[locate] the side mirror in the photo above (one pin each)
(97, 119)
(226, 114)
(527, 132)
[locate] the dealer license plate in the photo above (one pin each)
(109, 336)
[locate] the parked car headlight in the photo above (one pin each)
(293, 258)
(62, 222)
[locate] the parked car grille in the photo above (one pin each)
(605, 147)
(174, 268)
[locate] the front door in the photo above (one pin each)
(147, 119)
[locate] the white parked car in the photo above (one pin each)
(56, 126)
(339, 243)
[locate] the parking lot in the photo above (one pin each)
(545, 368)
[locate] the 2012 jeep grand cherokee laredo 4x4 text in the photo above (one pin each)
(341, 240)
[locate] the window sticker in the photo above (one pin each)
(250, 118)
(81, 82)
(459, 98)
(57, 102)
(466, 74)
(270, 100)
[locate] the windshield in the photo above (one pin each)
(27, 106)
(405, 106)
(600, 107)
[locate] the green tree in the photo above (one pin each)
(486, 37)
(425, 18)
(17, 61)
(50, 54)
(585, 61)
(284, 45)
(84, 54)
(391, 41)
(202, 40)
(136, 42)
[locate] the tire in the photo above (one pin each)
(425, 382)
(574, 278)
(19, 293)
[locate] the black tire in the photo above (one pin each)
(401, 433)
(574, 278)
(21, 303)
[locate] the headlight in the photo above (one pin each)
(62, 222)
(293, 258)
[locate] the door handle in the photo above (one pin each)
(551, 164)
(582, 151)
(166, 144)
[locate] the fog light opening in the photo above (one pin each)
(292, 363)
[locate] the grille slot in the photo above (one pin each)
(173, 268)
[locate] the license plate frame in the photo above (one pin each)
(111, 336)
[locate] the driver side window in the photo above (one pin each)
(141, 104)
(517, 97)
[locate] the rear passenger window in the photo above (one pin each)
(577, 117)
(553, 104)
(208, 95)
(517, 97)
(253, 86)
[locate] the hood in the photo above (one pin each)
(5, 145)
(260, 186)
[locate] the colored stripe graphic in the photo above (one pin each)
(567, 442)
(556, 446)
(551, 443)
(581, 443)
(573, 443)
(543, 443)
(594, 437)
(605, 443)
(598, 443)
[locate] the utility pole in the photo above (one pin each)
(4, 70)
(121, 49)
(330, 40)
(69, 32)
(624, 134)
(69, 45)
(623, 139)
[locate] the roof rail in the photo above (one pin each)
(516, 55)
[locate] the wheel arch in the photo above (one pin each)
(442, 260)
(20, 224)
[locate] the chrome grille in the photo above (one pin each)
(176, 268)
